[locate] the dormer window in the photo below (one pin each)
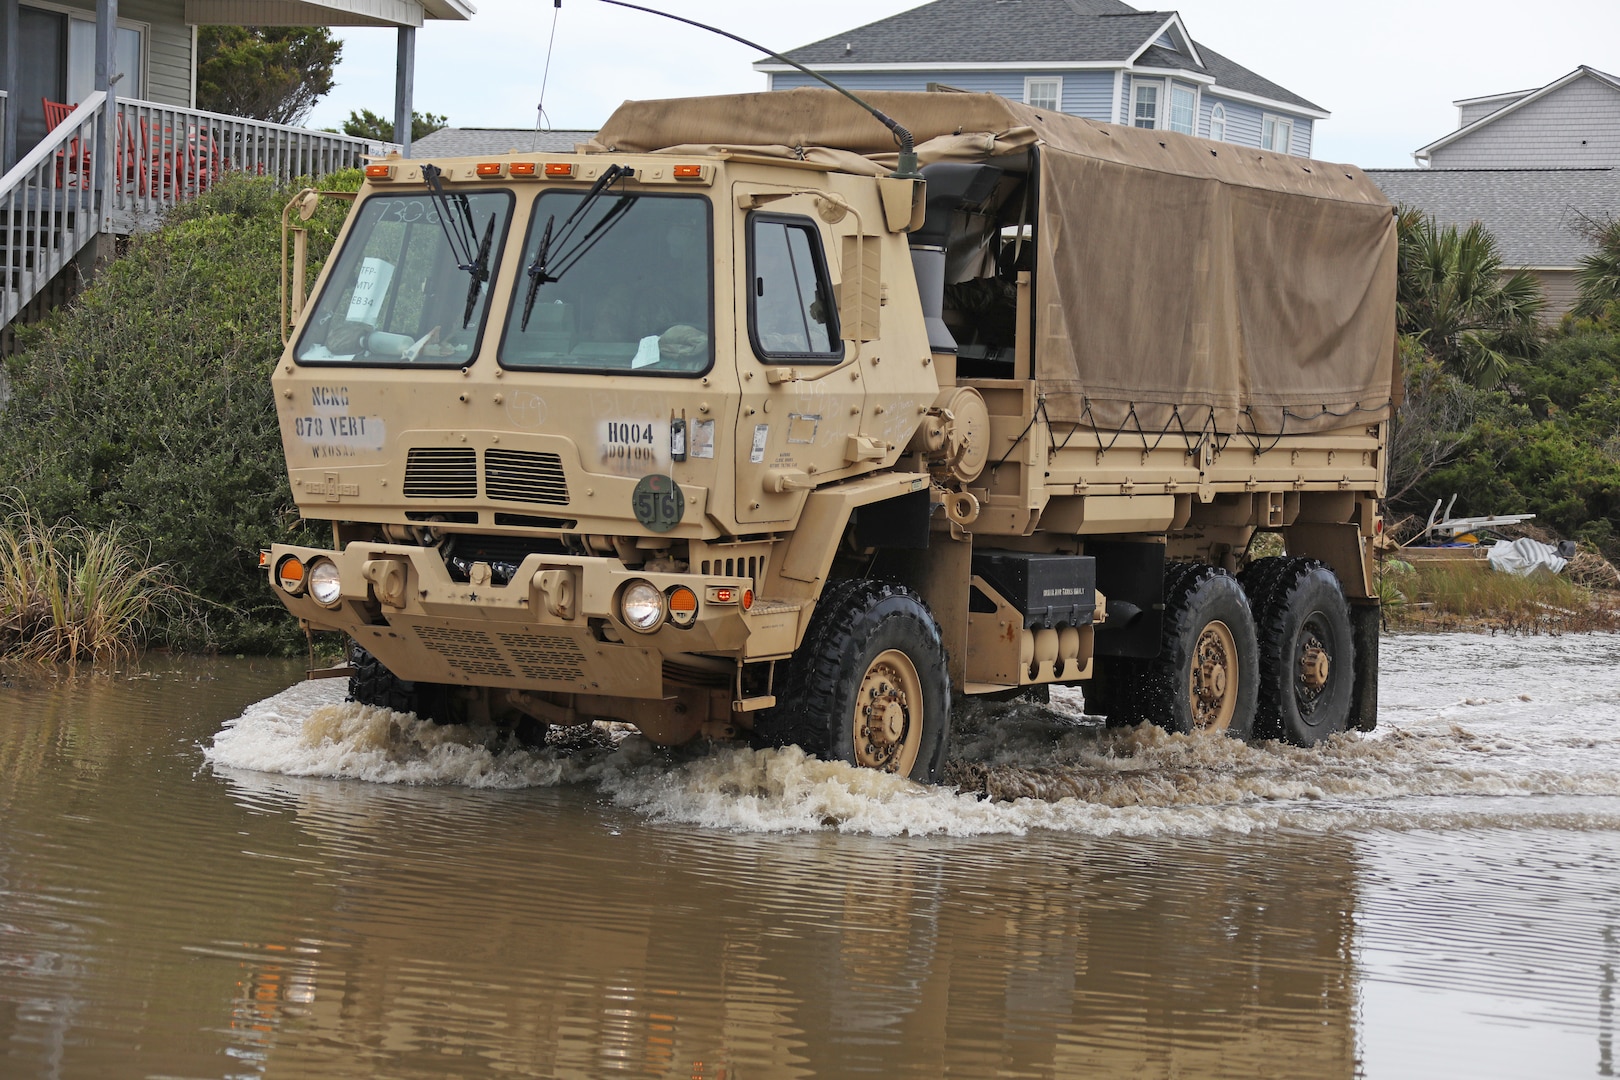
(1044, 92)
(1183, 108)
(1145, 98)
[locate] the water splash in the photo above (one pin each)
(1538, 720)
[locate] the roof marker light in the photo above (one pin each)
(688, 172)
(379, 172)
(490, 168)
(520, 168)
(560, 168)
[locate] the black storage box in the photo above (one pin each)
(1050, 590)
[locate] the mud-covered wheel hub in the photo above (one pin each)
(1215, 690)
(888, 714)
(1314, 666)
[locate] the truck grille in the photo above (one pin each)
(470, 650)
(525, 476)
(546, 656)
(441, 474)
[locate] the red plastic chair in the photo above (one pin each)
(69, 162)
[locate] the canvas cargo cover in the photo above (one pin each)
(1181, 283)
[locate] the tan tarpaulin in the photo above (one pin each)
(1180, 283)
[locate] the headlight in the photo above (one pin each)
(290, 575)
(325, 583)
(642, 606)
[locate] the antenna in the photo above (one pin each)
(906, 169)
(540, 109)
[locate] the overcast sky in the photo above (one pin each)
(1388, 70)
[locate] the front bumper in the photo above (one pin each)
(555, 627)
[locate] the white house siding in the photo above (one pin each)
(1467, 114)
(1561, 290)
(168, 47)
(1085, 93)
(1303, 130)
(1576, 126)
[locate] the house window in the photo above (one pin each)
(1217, 123)
(81, 68)
(1183, 108)
(1046, 93)
(1145, 95)
(1277, 133)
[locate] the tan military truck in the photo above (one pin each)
(720, 427)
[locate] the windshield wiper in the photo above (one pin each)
(537, 271)
(460, 231)
(538, 275)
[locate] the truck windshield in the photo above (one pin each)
(628, 287)
(397, 294)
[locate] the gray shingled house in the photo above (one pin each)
(1100, 59)
(1538, 168)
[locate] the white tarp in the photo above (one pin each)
(1523, 555)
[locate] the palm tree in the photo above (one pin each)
(1471, 315)
(1599, 276)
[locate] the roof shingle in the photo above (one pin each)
(1540, 217)
(1027, 32)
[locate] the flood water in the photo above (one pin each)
(210, 869)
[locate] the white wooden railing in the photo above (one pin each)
(51, 201)
(169, 154)
(48, 207)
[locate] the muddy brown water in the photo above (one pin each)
(209, 869)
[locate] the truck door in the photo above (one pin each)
(789, 430)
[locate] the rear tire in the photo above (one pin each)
(1307, 649)
(1206, 675)
(868, 685)
(374, 684)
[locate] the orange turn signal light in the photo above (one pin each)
(490, 168)
(560, 168)
(747, 599)
(683, 606)
(520, 168)
(290, 575)
(379, 172)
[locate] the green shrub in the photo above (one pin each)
(146, 405)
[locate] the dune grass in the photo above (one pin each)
(69, 593)
(1448, 595)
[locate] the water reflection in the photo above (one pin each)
(159, 918)
(564, 937)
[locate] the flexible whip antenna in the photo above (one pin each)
(545, 77)
(906, 168)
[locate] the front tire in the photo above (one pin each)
(373, 684)
(1307, 649)
(868, 685)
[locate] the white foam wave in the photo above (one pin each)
(1018, 768)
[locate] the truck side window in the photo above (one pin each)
(791, 311)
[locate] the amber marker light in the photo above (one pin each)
(490, 168)
(379, 172)
(688, 172)
(520, 168)
(290, 575)
(683, 606)
(747, 599)
(561, 169)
